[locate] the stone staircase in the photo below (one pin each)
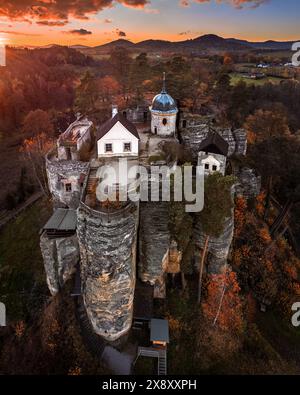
(92, 182)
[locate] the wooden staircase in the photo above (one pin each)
(162, 363)
(160, 354)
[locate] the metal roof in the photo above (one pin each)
(159, 330)
(164, 103)
(62, 219)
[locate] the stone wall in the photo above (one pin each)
(139, 114)
(157, 124)
(60, 259)
(108, 268)
(65, 172)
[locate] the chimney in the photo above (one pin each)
(114, 110)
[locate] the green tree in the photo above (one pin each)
(222, 89)
(218, 204)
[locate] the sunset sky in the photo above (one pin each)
(93, 22)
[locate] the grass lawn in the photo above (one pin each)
(22, 276)
(236, 78)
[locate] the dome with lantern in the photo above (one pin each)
(163, 102)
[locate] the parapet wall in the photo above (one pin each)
(62, 172)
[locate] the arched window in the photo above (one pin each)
(165, 121)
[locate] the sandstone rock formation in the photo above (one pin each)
(249, 184)
(218, 247)
(108, 268)
(197, 129)
(154, 244)
(60, 259)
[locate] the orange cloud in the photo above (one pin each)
(49, 10)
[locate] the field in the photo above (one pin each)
(237, 77)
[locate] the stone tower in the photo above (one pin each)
(163, 113)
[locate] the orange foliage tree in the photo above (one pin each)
(35, 149)
(265, 124)
(222, 305)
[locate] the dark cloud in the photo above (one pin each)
(80, 32)
(185, 33)
(48, 10)
(121, 34)
(52, 23)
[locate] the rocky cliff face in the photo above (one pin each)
(218, 247)
(108, 268)
(60, 259)
(249, 184)
(154, 244)
(194, 134)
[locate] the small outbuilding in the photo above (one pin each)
(62, 223)
(159, 332)
(213, 152)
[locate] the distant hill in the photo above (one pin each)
(79, 46)
(208, 42)
(117, 43)
(272, 45)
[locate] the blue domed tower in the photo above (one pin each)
(163, 113)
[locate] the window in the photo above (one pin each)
(124, 114)
(68, 153)
(165, 121)
(155, 130)
(214, 168)
(127, 147)
(206, 166)
(68, 187)
(108, 148)
(184, 123)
